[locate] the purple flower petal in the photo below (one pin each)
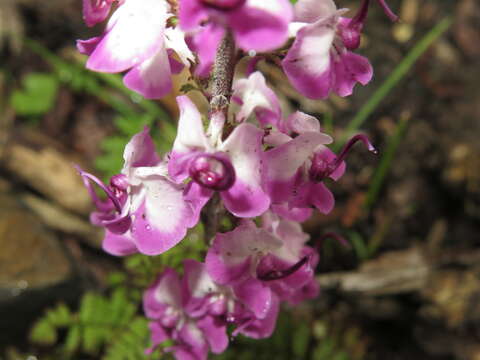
(349, 69)
(261, 25)
(152, 77)
(246, 197)
(165, 292)
(162, 219)
(205, 43)
(283, 162)
(95, 11)
(308, 62)
(310, 11)
(261, 328)
(215, 331)
(255, 295)
(140, 151)
(134, 34)
(119, 245)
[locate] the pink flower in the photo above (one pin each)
(231, 166)
(319, 61)
(261, 264)
(257, 25)
(136, 39)
(146, 211)
(297, 169)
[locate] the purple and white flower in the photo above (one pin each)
(231, 166)
(136, 40)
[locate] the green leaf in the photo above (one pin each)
(37, 96)
(73, 340)
(59, 316)
(43, 333)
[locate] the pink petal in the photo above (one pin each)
(246, 197)
(255, 295)
(310, 11)
(205, 43)
(119, 244)
(308, 62)
(257, 96)
(140, 151)
(163, 293)
(349, 69)
(94, 14)
(163, 218)
(152, 77)
(283, 162)
(215, 331)
(134, 34)
(191, 13)
(261, 25)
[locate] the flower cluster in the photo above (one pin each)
(257, 161)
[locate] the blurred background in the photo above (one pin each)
(409, 286)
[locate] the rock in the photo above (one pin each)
(35, 270)
(46, 167)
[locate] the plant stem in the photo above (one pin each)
(222, 76)
(221, 85)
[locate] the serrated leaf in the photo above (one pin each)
(59, 316)
(73, 339)
(43, 333)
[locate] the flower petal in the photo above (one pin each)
(205, 43)
(261, 25)
(309, 11)
(215, 330)
(282, 163)
(152, 77)
(308, 62)
(255, 295)
(257, 96)
(140, 152)
(134, 33)
(162, 219)
(246, 197)
(95, 11)
(166, 291)
(349, 69)
(261, 328)
(119, 244)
